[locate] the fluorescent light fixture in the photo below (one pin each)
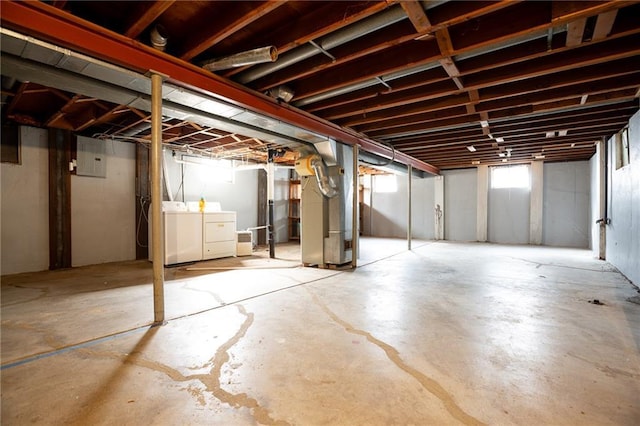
(563, 133)
(484, 123)
(504, 160)
(550, 134)
(501, 154)
(583, 99)
(475, 162)
(471, 148)
(573, 145)
(499, 140)
(539, 157)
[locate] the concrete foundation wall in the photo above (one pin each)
(508, 215)
(24, 209)
(389, 210)
(566, 208)
(422, 208)
(103, 210)
(460, 204)
(623, 233)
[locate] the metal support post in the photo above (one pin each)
(355, 232)
(156, 198)
(270, 196)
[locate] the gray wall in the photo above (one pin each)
(508, 215)
(623, 234)
(103, 210)
(422, 208)
(387, 214)
(25, 206)
(460, 204)
(566, 209)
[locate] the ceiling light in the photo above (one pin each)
(501, 154)
(504, 160)
(471, 148)
(539, 157)
(484, 123)
(563, 133)
(475, 162)
(499, 140)
(550, 134)
(508, 152)
(573, 145)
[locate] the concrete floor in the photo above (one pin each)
(448, 333)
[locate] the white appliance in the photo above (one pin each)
(244, 243)
(218, 234)
(182, 232)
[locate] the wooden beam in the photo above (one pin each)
(59, 199)
(604, 24)
(575, 32)
(258, 11)
(152, 11)
(416, 15)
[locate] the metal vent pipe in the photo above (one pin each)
(249, 57)
(335, 39)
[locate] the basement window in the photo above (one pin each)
(385, 183)
(622, 148)
(510, 177)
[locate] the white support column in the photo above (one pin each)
(355, 231)
(483, 203)
(409, 176)
(156, 198)
(535, 212)
(438, 199)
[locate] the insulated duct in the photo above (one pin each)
(313, 165)
(249, 57)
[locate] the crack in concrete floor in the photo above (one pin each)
(429, 384)
(212, 380)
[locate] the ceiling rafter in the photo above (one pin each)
(149, 15)
(200, 45)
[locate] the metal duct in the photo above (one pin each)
(250, 57)
(335, 39)
(408, 71)
(159, 37)
(282, 93)
(313, 165)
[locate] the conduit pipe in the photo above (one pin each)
(249, 57)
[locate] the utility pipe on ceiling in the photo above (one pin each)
(250, 57)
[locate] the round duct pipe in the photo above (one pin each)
(249, 57)
(159, 37)
(313, 165)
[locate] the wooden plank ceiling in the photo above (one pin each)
(451, 83)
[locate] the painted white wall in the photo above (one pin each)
(509, 215)
(103, 210)
(594, 197)
(623, 233)
(460, 204)
(24, 206)
(389, 209)
(566, 208)
(422, 208)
